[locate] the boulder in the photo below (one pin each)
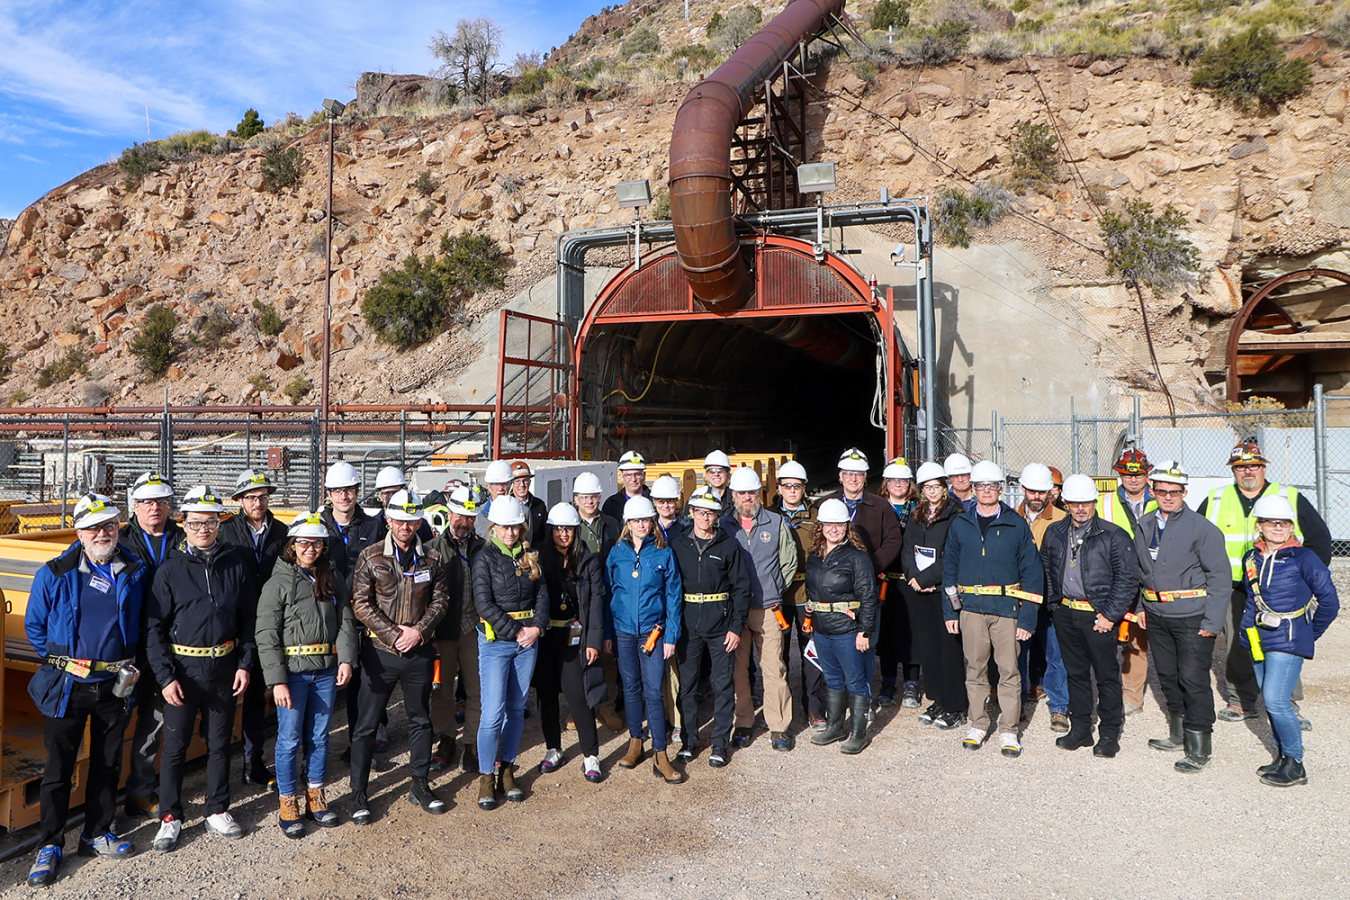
(1103, 67)
(90, 290)
(175, 271)
(72, 272)
(1117, 143)
(1247, 148)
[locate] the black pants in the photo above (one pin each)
(813, 682)
(689, 651)
(558, 669)
(895, 637)
(381, 672)
(1181, 658)
(1238, 669)
(254, 718)
(142, 779)
(940, 654)
(1087, 653)
(353, 700)
(208, 689)
(91, 702)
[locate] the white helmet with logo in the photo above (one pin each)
(1169, 471)
(405, 506)
(340, 475)
(308, 525)
(586, 483)
(462, 501)
(853, 460)
(94, 509)
(1078, 489)
(390, 476)
(704, 498)
(956, 464)
(897, 468)
(564, 514)
(202, 499)
(151, 486)
(666, 488)
(632, 461)
(250, 480)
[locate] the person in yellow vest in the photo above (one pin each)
(1230, 507)
(1123, 507)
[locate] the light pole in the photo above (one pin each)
(332, 109)
(635, 194)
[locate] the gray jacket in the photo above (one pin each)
(772, 553)
(1191, 556)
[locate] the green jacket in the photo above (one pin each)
(288, 616)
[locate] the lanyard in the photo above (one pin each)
(163, 545)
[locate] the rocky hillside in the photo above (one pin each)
(82, 265)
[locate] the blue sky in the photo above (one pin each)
(76, 77)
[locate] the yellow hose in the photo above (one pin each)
(651, 379)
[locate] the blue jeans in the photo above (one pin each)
(504, 672)
(844, 667)
(642, 677)
(1054, 679)
(1276, 675)
(312, 696)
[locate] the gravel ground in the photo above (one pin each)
(912, 816)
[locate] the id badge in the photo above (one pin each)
(574, 634)
(421, 577)
(100, 584)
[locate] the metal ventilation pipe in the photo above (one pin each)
(700, 154)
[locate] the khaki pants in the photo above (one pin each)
(762, 630)
(984, 635)
(610, 666)
(1134, 667)
(670, 691)
(457, 657)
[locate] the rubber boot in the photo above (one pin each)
(1197, 745)
(835, 704)
(509, 787)
(1175, 740)
(633, 756)
(857, 738)
(487, 791)
(1289, 773)
(662, 768)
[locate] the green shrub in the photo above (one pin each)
(532, 81)
(269, 320)
(153, 347)
(471, 262)
(297, 389)
(1249, 67)
(694, 54)
(18, 398)
(249, 125)
(410, 304)
(735, 28)
(138, 161)
(714, 24)
(1035, 156)
(260, 382)
(958, 212)
(661, 205)
(5, 366)
(61, 370)
(865, 70)
(1020, 6)
(936, 45)
(1337, 28)
(186, 143)
(642, 40)
(889, 14)
(1147, 248)
(283, 168)
(209, 330)
(425, 184)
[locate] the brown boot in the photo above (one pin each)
(661, 766)
(508, 784)
(289, 817)
(633, 756)
(487, 791)
(611, 720)
(318, 808)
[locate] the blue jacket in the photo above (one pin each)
(1007, 555)
(1289, 579)
(654, 597)
(53, 617)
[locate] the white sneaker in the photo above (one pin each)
(224, 825)
(167, 837)
(1011, 746)
(552, 760)
(590, 767)
(973, 739)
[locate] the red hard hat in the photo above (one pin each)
(1133, 462)
(1245, 454)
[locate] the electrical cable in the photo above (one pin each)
(651, 379)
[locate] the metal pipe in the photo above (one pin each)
(1075, 452)
(65, 471)
(257, 409)
(1320, 444)
(327, 302)
(923, 238)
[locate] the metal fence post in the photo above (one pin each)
(403, 439)
(1003, 444)
(1075, 451)
(1136, 426)
(65, 467)
(316, 462)
(993, 435)
(168, 454)
(1320, 445)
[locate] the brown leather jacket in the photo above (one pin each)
(384, 597)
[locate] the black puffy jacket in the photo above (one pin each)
(589, 587)
(720, 568)
(1107, 557)
(237, 532)
(501, 587)
(932, 535)
(201, 601)
(845, 576)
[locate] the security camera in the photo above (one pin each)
(898, 254)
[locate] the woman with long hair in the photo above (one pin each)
(842, 587)
(645, 611)
(569, 651)
(940, 656)
(307, 643)
(896, 650)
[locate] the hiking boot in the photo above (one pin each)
(611, 720)
(688, 753)
(928, 715)
(947, 720)
(167, 836)
(106, 845)
(740, 738)
(590, 767)
(443, 755)
(857, 737)
(662, 768)
(360, 809)
(289, 817)
(780, 741)
(909, 695)
(1197, 745)
(1107, 747)
(633, 756)
(1234, 712)
(1175, 739)
(553, 761)
(222, 824)
(45, 867)
(1078, 737)
(1059, 721)
(719, 758)
(836, 702)
(318, 808)
(974, 739)
(886, 697)
(1011, 747)
(1289, 773)
(143, 807)
(507, 782)
(421, 794)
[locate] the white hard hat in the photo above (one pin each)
(986, 471)
(1169, 471)
(833, 511)
(586, 483)
(151, 486)
(704, 498)
(342, 474)
(506, 510)
(897, 468)
(638, 508)
(437, 517)
(745, 479)
(1273, 506)
(308, 525)
(956, 464)
(564, 514)
(716, 458)
(1077, 489)
(405, 506)
(929, 471)
(94, 509)
(632, 461)
(250, 480)
(390, 476)
(202, 499)
(792, 469)
(666, 488)
(461, 500)
(853, 460)
(498, 472)
(1036, 477)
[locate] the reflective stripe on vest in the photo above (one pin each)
(1239, 531)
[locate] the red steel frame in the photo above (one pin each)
(564, 371)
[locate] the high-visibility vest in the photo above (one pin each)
(1224, 509)
(1111, 509)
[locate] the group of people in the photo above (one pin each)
(651, 602)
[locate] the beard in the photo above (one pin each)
(1035, 506)
(100, 553)
(749, 510)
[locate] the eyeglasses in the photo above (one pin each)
(1273, 523)
(309, 544)
(1158, 493)
(343, 490)
(1248, 467)
(254, 498)
(110, 527)
(157, 501)
(202, 525)
(988, 486)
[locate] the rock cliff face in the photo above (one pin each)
(82, 265)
